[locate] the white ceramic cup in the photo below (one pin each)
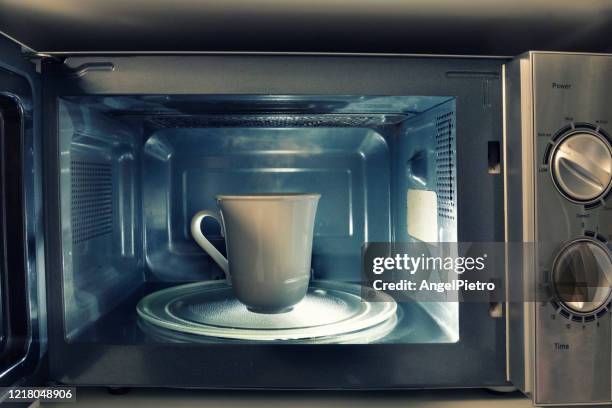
(268, 238)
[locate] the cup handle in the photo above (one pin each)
(202, 241)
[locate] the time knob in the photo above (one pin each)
(582, 276)
(581, 165)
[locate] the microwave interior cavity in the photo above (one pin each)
(136, 168)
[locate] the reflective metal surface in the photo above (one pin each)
(560, 350)
(101, 223)
(133, 176)
(581, 166)
(519, 219)
(582, 276)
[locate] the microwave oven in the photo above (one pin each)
(105, 159)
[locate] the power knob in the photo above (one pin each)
(581, 165)
(582, 276)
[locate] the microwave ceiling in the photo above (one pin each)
(268, 111)
(451, 27)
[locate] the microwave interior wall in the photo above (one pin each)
(136, 168)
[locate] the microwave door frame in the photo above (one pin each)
(478, 359)
(22, 354)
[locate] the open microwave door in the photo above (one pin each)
(22, 311)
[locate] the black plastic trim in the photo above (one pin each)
(13, 275)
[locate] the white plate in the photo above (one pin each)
(211, 309)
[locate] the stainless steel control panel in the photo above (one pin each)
(572, 96)
(565, 121)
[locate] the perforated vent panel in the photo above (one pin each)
(273, 121)
(92, 199)
(445, 165)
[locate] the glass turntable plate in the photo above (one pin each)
(330, 311)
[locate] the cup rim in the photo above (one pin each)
(268, 196)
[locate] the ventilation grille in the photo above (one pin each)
(273, 121)
(92, 199)
(445, 165)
